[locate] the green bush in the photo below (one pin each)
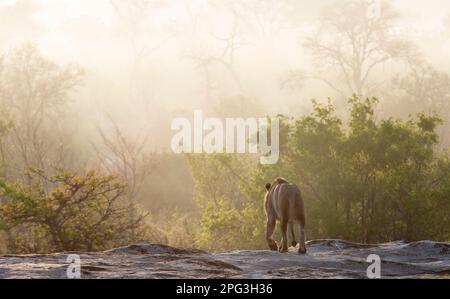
(66, 212)
(366, 181)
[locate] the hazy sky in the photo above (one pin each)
(57, 19)
(89, 32)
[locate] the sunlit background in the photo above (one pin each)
(135, 65)
(156, 46)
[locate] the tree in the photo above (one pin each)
(34, 92)
(135, 20)
(363, 180)
(350, 46)
(223, 54)
(213, 45)
(4, 128)
(373, 182)
(66, 212)
(133, 15)
(264, 19)
(221, 204)
(121, 155)
(424, 89)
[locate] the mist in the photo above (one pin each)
(116, 73)
(143, 59)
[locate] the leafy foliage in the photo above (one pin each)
(367, 181)
(66, 212)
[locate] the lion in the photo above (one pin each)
(284, 203)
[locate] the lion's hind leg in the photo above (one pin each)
(271, 223)
(302, 239)
(292, 230)
(284, 247)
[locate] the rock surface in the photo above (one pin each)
(325, 259)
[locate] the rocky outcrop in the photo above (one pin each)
(325, 259)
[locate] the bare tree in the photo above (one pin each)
(265, 19)
(135, 17)
(350, 45)
(215, 51)
(34, 94)
(425, 89)
(224, 51)
(123, 156)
